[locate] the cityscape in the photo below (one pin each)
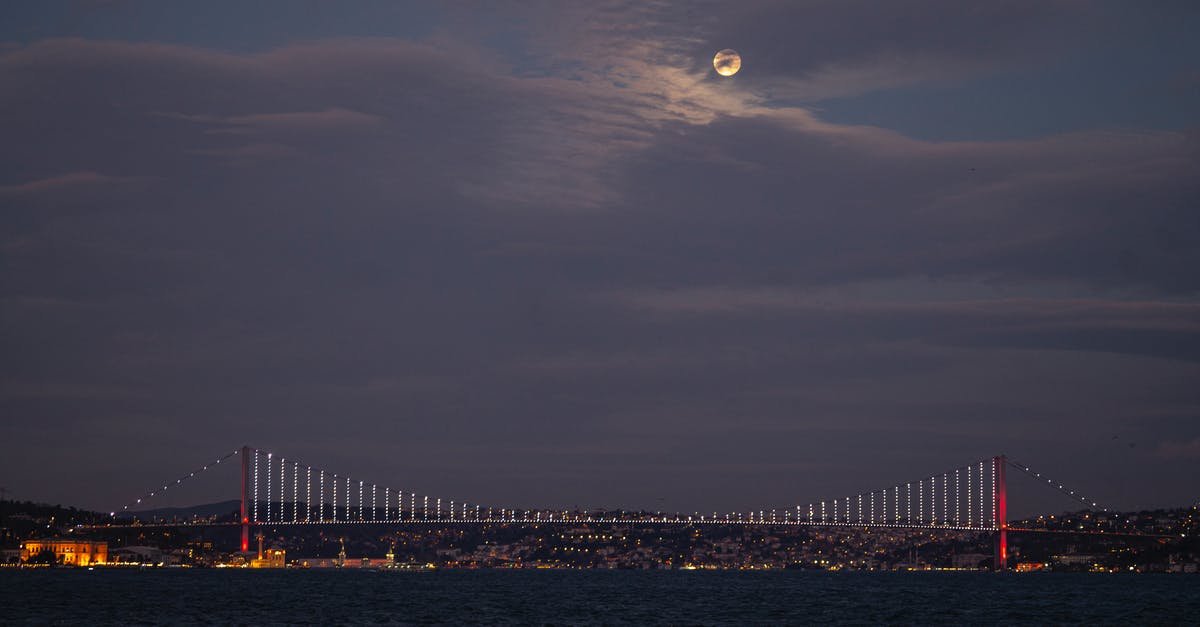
(1161, 541)
(308, 517)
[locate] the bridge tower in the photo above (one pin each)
(1000, 502)
(245, 520)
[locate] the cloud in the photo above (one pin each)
(1158, 328)
(1186, 450)
(852, 298)
(803, 51)
(582, 237)
(63, 182)
(333, 119)
(861, 204)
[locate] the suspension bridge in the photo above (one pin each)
(280, 491)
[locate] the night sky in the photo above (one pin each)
(541, 254)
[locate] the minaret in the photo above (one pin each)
(341, 560)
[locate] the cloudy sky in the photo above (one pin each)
(539, 253)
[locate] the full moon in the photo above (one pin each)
(727, 62)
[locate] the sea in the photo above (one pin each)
(589, 597)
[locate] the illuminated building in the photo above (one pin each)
(69, 551)
(272, 558)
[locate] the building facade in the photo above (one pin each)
(68, 551)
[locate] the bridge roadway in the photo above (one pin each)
(543, 521)
(624, 521)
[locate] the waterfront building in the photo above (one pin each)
(141, 555)
(68, 551)
(273, 557)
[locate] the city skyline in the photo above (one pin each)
(526, 253)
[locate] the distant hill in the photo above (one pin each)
(210, 509)
(44, 512)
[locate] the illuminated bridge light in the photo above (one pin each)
(308, 495)
(847, 511)
(946, 499)
(268, 487)
(957, 500)
(282, 486)
(919, 517)
(969, 508)
(982, 502)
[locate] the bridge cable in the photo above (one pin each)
(178, 481)
(1054, 484)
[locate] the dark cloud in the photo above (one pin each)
(926, 40)
(797, 200)
(813, 50)
(1155, 328)
(1180, 450)
(592, 270)
(61, 182)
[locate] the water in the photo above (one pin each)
(589, 597)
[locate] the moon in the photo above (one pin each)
(727, 62)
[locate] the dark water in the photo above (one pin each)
(580, 597)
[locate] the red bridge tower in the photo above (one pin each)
(1000, 496)
(245, 520)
